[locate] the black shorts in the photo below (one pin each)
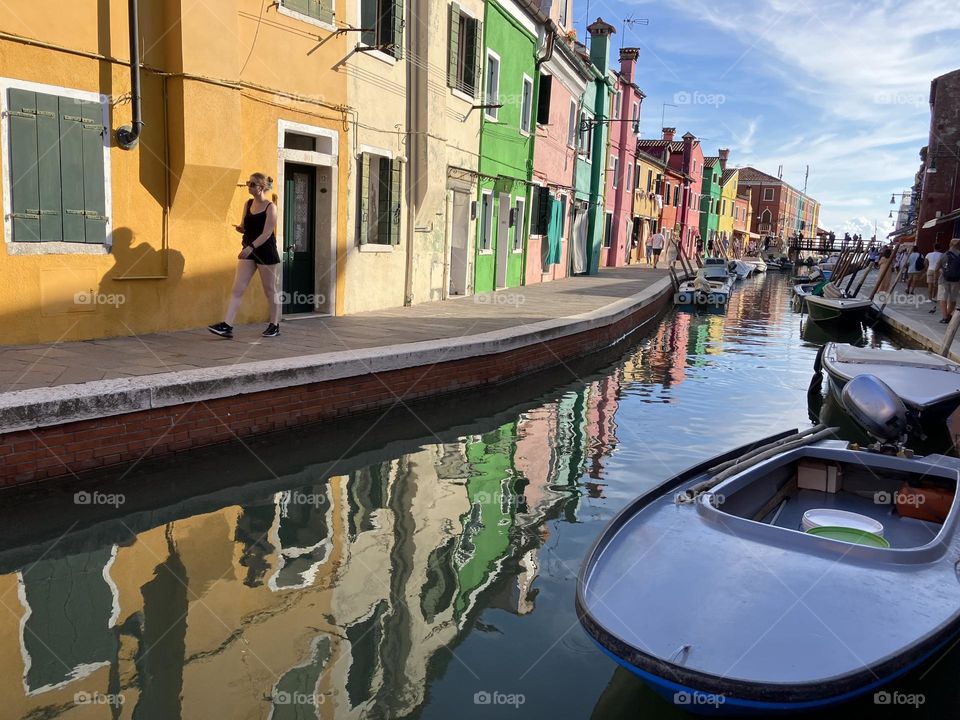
(657, 251)
(266, 254)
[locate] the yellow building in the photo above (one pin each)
(100, 240)
(728, 202)
(647, 199)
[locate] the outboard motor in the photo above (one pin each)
(876, 408)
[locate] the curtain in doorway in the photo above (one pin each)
(554, 232)
(579, 242)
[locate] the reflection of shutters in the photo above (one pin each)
(24, 171)
(395, 170)
(454, 48)
(397, 27)
(363, 211)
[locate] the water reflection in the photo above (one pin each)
(409, 585)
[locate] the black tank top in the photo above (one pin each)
(253, 225)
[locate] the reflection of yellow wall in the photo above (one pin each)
(728, 192)
(223, 109)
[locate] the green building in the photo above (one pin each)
(710, 203)
(507, 130)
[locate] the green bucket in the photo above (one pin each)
(850, 535)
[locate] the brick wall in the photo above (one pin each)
(33, 455)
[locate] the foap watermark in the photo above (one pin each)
(885, 697)
(301, 498)
(699, 98)
(89, 297)
(97, 698)
(901, 299)
(499, 698)
(898, 498)
(500, 298)
(301, 298)
(84, 497)
(698, 698)
(901, 98)
(284, 697)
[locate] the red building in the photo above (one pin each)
(938, 214)
(625, 113)
(780, 211)
(684, 161)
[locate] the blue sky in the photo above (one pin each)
(840, 86)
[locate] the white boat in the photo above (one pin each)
(928, 384)
(718, 270)
(743, 269)
(758, 264)
(702, 292)
(835, 305)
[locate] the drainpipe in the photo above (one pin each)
(412, 145)
(129, 135)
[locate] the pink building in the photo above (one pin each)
(563, 80)
(624, 128)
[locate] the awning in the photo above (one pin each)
(949, 217)
(903, 232)
(754, 236)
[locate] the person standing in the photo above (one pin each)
(915, 270)
(672, 251)
(933, 275)
(656, 244)
(649, 250)
(949, 265)
(258, 252)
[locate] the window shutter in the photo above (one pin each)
(546, 200)
(397, 28)
(71, 168)
(24, 171)
(48, 165)
(384, 201)
(94, 198)
(395, 173)
(363, 211)
(477, 58)
(544, 91)
(323, 10)
(454, 48)
(300, 6)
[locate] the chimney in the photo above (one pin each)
(628, 63)
(724, 153)
(600, 33)
(688, 139)
(668, 134)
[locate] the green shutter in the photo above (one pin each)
(384, 201)
(322, 10)
(477, 57)
(535, 210)
(398, 25)
(48, 163)
(24, 171)
(71, 170)
(300, 6)
(363, 212)
(395, 173)
(369, 21)
(94, 191)
(454, 48)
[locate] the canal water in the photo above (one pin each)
(421, 564)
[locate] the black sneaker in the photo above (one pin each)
(271, 331)
(221, 329)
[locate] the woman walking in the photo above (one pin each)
(259, 252)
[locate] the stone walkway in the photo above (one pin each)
(46, 366)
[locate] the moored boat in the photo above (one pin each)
(694, 586)
(842, 309)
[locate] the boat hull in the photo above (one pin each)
(824, 310)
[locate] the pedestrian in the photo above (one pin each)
(933, 274)
(672, 251)
(656, 243)
(886, 258)
(649, 250)
(258, 252)
(949, 266)
(916, 270)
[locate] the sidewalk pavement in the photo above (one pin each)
(59, 364)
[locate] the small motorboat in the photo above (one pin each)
(742, 269)
(836, 306)
(802, 290)
(928, 384)
(758, 264)
(718, 270)
(787, 575)
(702, 292)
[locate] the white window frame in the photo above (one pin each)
(377, 54)
(573, 128)
(615, 167)
(457, 92)
(628, 185)
(485, 194)
(53, 248)
(617, 103)
(283, 10)
(635, 117)
(519, 236)
(369, 247)
(586, 148)
(491, 114)
(526, 113)
(765, 191)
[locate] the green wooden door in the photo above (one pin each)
(299, 222)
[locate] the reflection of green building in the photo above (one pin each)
(572, 440)
(485, 539)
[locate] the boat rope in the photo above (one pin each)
(756, 456)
